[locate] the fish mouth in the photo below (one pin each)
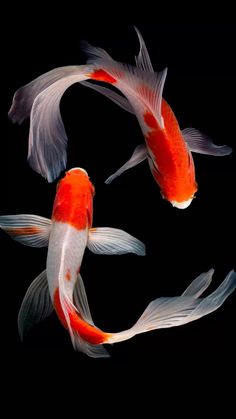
(182, 205)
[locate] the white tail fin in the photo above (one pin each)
(24, 97)
(176, 311)
(160, 313)
(47, 139)
(41, 99)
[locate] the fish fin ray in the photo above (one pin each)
(81, 301)
(177, 311)
(112, 241)
(216, 298)
(24, 97)
(139, 155)
(28, 229)
(94, 351)
(36, 305)
(110, 94)
(146, 87)
(199, 285)
(143, 60)
(47, 138)
(200, 143)
(94, 52)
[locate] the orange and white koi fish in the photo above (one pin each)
(60, 286)
(167, 148)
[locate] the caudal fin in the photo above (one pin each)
(24, 97)
(160, 313)
(47, 138)
(40, 100)
(176, 311)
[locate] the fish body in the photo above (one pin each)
(71, 222)
(169, 157)
(60, 286)
(68, 233)
(167, 148)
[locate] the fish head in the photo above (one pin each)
(77, 171)
(181, 205)
(76, 179)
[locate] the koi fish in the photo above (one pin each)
(167, 148)
(60, 287)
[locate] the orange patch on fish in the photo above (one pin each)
(102, 75)
(150, 120)
(23, 231)
(68, 275)
(175, 173)
(86, 331)
(74, 200)
(58, 308)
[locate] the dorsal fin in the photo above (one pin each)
(143, 60)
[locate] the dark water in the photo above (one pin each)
(200, 88)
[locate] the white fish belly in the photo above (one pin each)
(65, 254)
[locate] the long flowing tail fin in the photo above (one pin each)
(40, 100)
(24, 97)
(176, 311)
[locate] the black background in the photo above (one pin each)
(200, 88)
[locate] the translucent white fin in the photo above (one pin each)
(176, 311)
(81, 301)
(199, 285)
(31, 230)
(139, 154)
(112, 241)
(143, 86)
(110, 94)
(36, 304)
(216, 299)
(143, 60)
(47, 138)
(24, 97)
(94, 351)
(95, 52)
(199, 143)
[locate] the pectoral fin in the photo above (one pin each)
(139, 154)
(199, 143)
(31, 230)
(112, 241)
